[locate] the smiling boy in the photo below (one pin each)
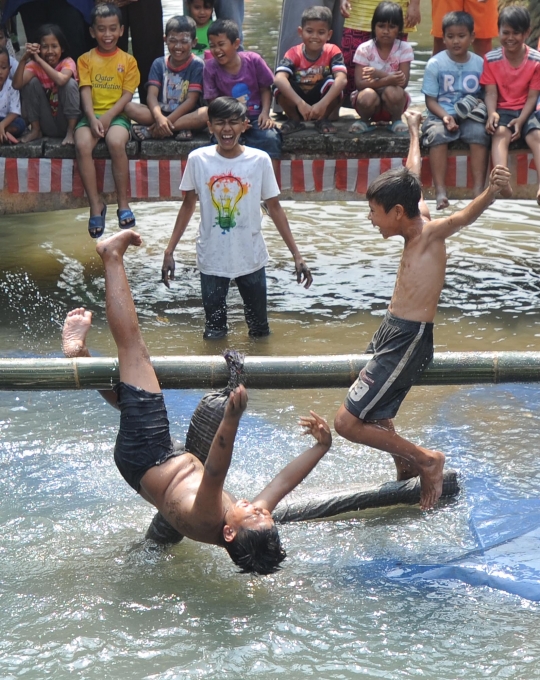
(403, 346)
(230, 180)
(174, 88)
(511, 77)
(311, 77)
(108, 77)
(451, 82)
(246, 77)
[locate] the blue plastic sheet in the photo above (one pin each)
(504, 527)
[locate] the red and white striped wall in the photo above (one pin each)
(161, 178)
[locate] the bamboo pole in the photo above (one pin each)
(210, 372)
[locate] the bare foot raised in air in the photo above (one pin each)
(431, 478)
(76, 327)
(116, 245)
(442, 200)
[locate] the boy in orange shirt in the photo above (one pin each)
(108, 78)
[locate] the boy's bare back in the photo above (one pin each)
(422, 269)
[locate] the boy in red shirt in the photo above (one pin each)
(512, 80)
(311, 77)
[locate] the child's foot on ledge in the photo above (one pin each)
(183, 135)
(325, 127)
(442, 200)
(30, 136)
(69, 139)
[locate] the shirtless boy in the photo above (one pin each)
(403, 345)
(189, 495)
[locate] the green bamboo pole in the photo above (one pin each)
(210, 372)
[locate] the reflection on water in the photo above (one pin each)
(489, 301)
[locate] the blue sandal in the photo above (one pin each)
(96, 224)
(126, 219)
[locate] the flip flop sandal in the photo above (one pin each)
(290, 126)
(325, 127)
(126, 219)
(479, 113)
(465, 105)
(359, 127)
(141, 132)
(96, 224)
(183, 135)
(399, 128)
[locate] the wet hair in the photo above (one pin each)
(515, 16)
(181, 24)
(397, 187)
(226, 26)
(387, 13)
(4, 50)
(457, 19)
(258, 552)
(226, 107)
(317, 13)
(53, 29)
(207, 3)
(105, 10)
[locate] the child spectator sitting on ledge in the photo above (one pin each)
(108, 78)
(48, 80)
(174, 88)
(11, 124)
(311, 77)
(246, 77)
(382, 73)
(451, 86)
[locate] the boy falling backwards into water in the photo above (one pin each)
(403, 345)
(189, 495)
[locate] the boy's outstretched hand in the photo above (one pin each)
(318, 427)
(237, 403)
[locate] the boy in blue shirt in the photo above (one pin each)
(452, 86)
(174, 88)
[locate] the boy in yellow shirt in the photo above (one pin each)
(108, 77)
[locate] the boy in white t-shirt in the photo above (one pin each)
(230, 181)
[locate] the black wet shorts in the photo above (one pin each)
(401, 351)
(144, 439)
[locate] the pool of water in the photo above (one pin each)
(83, 595)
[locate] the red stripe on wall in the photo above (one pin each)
(12, 176)
(318, 171)
(56, 175)
(297, 176)
(164, 170)
(362, 179)
(341, 174)
(522, 169)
